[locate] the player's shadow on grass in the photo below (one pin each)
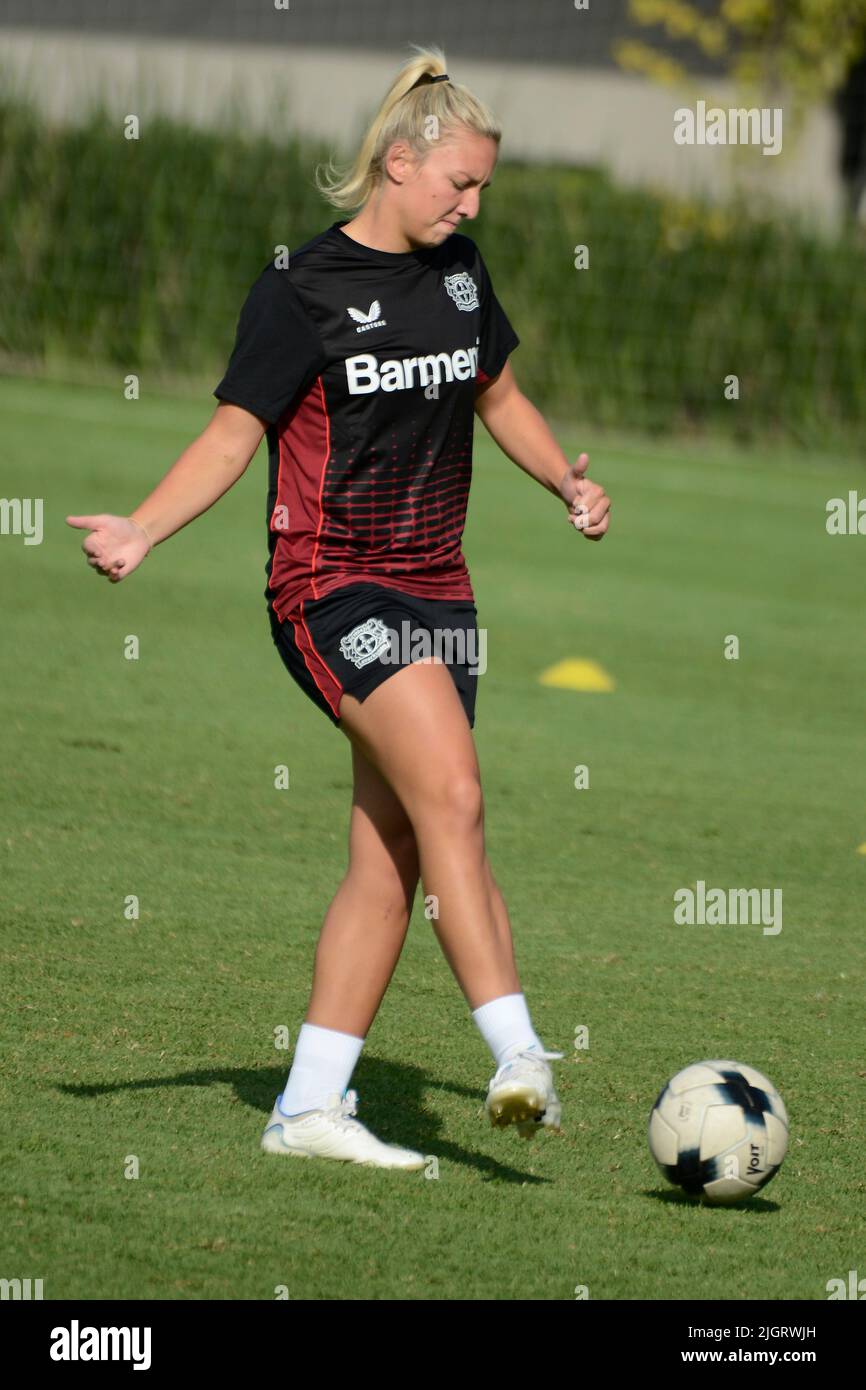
(390, 1104)
(760, 1205)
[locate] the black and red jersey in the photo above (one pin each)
(365, 363)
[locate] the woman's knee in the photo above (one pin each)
(455, 798)
(444, 781)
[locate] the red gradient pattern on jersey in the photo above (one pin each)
(382, 516)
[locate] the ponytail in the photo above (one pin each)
(414, 106)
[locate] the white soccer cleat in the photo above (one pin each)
(332, 1133)
(521, 1093)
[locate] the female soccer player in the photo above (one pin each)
(365, 359)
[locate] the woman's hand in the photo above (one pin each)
(587, 502)
(116, 545)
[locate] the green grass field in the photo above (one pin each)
(154, 777)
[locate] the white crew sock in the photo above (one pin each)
(506, 1026)
(323, 1063)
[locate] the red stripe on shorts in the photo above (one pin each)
(316, 664)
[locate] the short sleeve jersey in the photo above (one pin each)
(364, 364)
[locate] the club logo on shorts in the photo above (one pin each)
(365, 642)
(463, 290)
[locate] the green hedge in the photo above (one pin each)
(136, 255)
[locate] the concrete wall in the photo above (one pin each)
(558, 112)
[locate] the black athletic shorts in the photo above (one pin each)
(355, 637)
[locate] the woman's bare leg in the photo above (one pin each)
(365, 925)
(414, 730)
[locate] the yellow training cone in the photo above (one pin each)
(861, 849)
(577, 675)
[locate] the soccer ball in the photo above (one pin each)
(719, 1130)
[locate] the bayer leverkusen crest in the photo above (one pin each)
(463, 290)
(365, 642)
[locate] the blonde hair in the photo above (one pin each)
(412, 99)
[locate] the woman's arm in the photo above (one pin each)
(522, 433)
(205, 471)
